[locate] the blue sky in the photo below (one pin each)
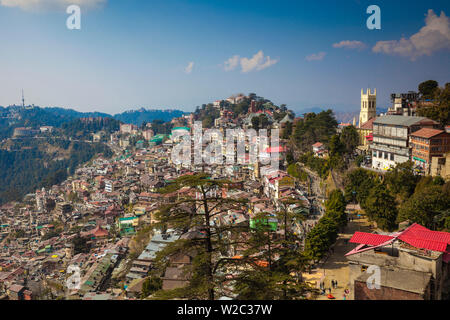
(173, 54)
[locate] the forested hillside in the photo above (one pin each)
(42, 163)
(137, 117)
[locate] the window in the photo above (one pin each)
(392, 157)
(386, 155)
(364, 268)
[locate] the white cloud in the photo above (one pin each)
(350, 44)
(189, 67)
(256, 63)
(316, 56)
(42, 5)
(434, 36)
(231, 63)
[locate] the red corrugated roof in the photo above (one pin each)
(421, 237)
(369, 238)
(424, 243)
(428, 235)
(427, 133)
(416, 236)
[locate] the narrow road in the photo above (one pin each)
(336, 266)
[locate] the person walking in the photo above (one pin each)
(335, 284)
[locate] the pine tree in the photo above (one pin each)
(380, 207)
(273, 261)
(195, 217)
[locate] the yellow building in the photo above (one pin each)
(368, 106)
(365, 132)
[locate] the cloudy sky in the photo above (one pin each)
(180, 54)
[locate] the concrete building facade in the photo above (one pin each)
(391, 139)
(426, 144)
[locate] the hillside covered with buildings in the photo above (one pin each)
(126, 220)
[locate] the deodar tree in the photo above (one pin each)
(195, 215)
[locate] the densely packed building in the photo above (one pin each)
(90, 220)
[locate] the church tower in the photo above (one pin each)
(368, 106)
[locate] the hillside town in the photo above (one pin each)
(98, 235)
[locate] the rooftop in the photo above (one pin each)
(406, 280)
(399, 120)
(415, 235)
(368, 125)
(427, 133)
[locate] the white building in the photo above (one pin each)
(109, 186)
(391, 139)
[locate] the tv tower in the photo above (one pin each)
(23, 100)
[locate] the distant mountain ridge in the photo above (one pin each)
(75, 114)
(342, 116)
(61, 115)
(137, 117)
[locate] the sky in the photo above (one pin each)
(162, 54)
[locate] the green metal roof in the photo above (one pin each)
(181, 128)
(127, 218)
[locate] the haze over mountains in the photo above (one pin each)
(56, 115)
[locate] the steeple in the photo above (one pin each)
(368, 106)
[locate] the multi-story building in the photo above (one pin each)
(391, 134)
(365, 132)
(109, 186)
(128, 128)
(426, 144)
(440, 166)
(404, 104)
(64, 207)
(148, 134)
(41, 197)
